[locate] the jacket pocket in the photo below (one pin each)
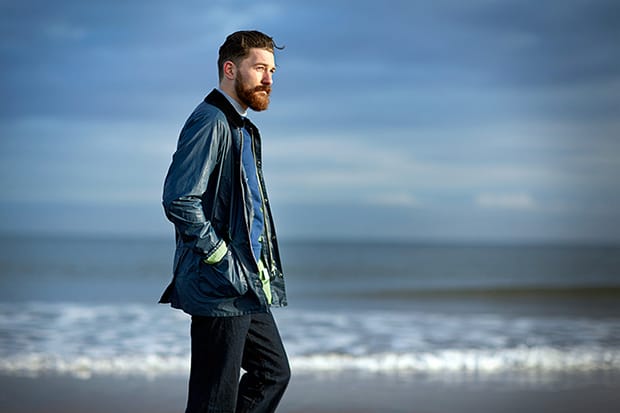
(223, 279)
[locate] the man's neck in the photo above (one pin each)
(243, 112)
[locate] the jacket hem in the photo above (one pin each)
(222, 313)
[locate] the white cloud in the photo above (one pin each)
(394, 199)
(357, 169)
(517, 200)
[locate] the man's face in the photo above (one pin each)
(254, 78)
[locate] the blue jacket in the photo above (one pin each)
(208, 202)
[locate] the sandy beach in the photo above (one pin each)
(337, 393)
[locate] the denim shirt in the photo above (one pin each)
(257, 220)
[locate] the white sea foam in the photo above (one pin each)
(147, 340)
(148, 365)
(518, 360)
(470, 360)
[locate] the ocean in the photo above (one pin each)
(86, 307)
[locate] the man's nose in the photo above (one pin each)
(267, 78)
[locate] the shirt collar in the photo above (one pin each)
(234, 103)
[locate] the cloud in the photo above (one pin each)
(414, 107)
(393, 199)
(359, 165)
(113, 60)
(63, 160)
(519, 201)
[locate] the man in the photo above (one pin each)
(227, 269)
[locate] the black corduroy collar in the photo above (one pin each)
(217, 99)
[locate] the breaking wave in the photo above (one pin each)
(83, 340)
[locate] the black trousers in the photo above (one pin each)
(221, 346)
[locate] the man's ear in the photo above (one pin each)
(229, 70)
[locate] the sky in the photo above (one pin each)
(443, 120)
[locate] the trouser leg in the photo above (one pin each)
(266, 365)
(217, 349)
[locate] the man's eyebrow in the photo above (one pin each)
(272, 68)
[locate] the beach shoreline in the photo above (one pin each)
(446, 329)
(333, 393)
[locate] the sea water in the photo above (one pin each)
(84, 307)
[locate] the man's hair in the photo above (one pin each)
(237, 46)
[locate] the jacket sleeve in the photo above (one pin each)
(198, 153)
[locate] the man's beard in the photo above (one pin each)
(252, 96)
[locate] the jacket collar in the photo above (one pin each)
(217, 99)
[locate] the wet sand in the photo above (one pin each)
(335, 393)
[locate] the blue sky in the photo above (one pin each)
(483, 120)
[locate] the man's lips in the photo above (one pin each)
(266, 90)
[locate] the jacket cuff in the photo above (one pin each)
(217, 254)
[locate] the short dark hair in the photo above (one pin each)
(238, 44)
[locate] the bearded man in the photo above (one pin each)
(227, 269)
